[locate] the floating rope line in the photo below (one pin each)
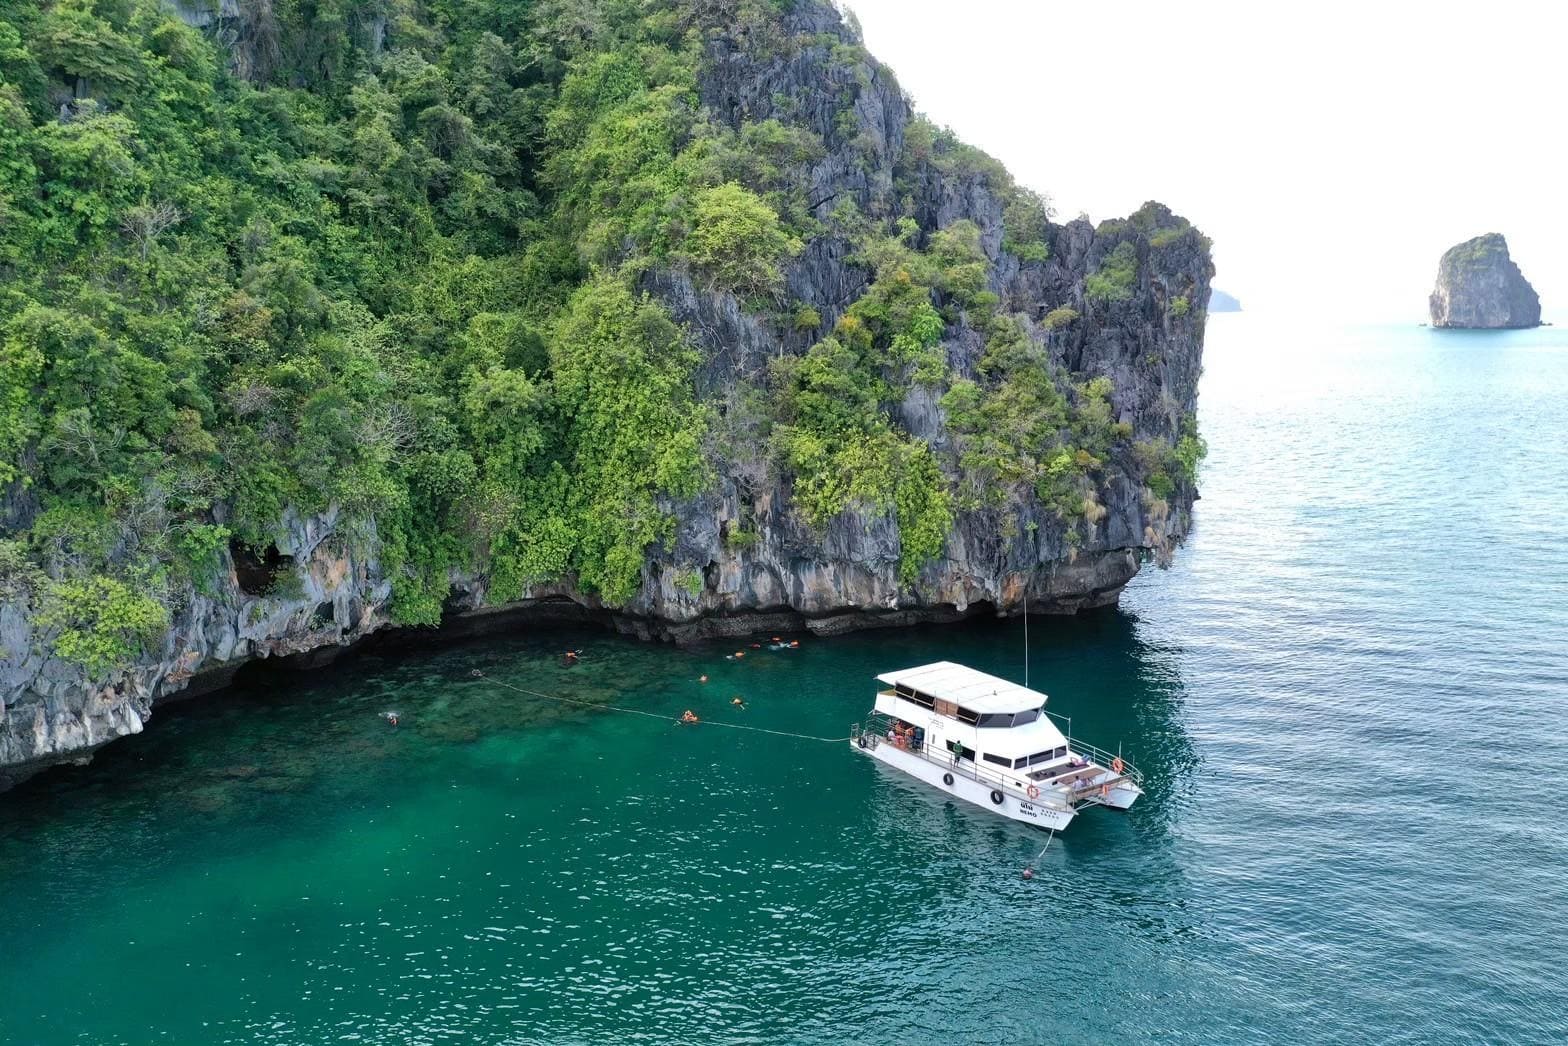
(477, 674)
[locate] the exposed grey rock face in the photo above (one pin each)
(51, 711)
(200, 14)
(783, 574)
(1479, 286)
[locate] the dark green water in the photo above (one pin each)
(1348, 696)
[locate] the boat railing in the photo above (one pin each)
(874, 731)
(1107, 760)
(872, 736)
(1096, 755)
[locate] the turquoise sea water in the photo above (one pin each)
(1350, 696)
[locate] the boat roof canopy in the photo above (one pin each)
(976, 691)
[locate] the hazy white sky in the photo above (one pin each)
(1332, 150)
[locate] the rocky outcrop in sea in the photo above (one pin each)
(1480, 287)
(1219, 301)
(319, 589)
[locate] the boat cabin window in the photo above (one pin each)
(959, 750)
(1041, 757)
(1000, 719)
(966, 715)
(999, 760)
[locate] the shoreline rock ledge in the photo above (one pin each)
(1480, 288)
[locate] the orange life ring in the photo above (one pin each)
(1034, 792)
(1117, 765)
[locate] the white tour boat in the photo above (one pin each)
(990, 742)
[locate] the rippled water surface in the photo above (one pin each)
(1350, 696)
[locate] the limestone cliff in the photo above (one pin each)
(1479, 286)
(742, 557)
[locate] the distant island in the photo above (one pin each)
(1219, 301)
(1480, 288)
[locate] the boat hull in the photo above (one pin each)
(977, 793)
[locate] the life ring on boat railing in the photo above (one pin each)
(1034, 792)
(947, 779)
(1117, 765)
(996, 796)
(862, 741)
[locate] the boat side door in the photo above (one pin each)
(936, 737)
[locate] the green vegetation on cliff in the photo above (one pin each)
(392, 268)
(399, 258)
(1117, 275)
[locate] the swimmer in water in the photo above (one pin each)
(689, 716)
(391, 717)
(702, 679)
(738, 702)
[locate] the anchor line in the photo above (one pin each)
(477, 674)
(1049, 835)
